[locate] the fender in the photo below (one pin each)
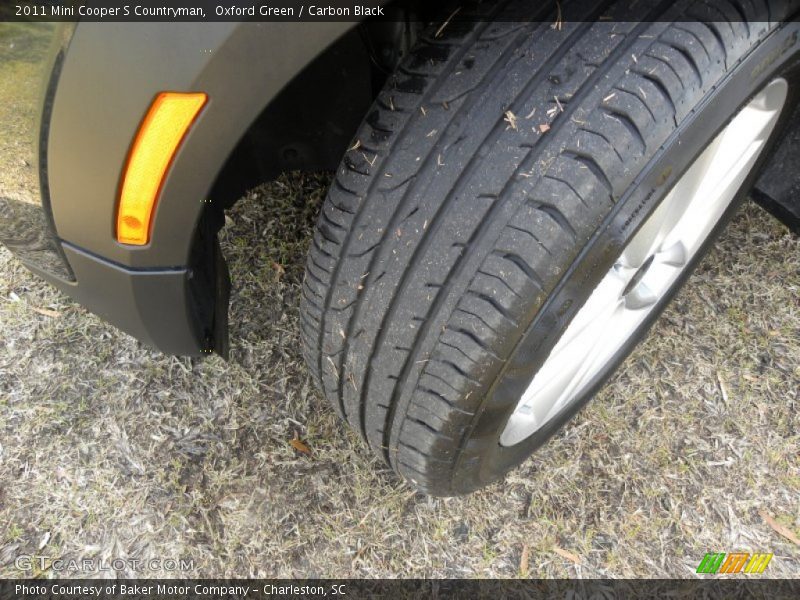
(102, 97)
(173, 292)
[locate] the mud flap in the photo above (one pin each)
(209, 285)
(223, 291)
(778, 186)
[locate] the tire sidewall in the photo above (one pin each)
(482, 458)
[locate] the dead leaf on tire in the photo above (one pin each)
(510, 118)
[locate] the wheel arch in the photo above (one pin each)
(98, 105)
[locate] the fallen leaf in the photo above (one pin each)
(298, 445)
(524, 560)
(544, 127)
(446, 23)
(568, 555)
(46, 312)
(781, 529)
(722, 388)
(511, 119)
(559, 22)
(278, 268)
(45, 539)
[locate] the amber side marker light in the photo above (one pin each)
(158, 139)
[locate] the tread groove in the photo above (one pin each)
(590, 162)
(522, 264)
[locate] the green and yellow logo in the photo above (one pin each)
(737, 562)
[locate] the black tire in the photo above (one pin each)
(460, 236)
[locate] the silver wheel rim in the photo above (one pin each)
(649, 266)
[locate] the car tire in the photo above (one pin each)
(496, 183)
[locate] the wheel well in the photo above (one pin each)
(311, 121)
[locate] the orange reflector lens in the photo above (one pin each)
(157, 140)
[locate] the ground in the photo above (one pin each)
(109, 449)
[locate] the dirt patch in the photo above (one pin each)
(111, 450)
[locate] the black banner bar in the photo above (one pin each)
(712, 588)
(283, 10)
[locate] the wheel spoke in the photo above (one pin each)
(666, 217)
(675, 255)
(608, 293)
(565, 362)
(627, 321)
(599, 350)
(640, 297)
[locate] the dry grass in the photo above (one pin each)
(109, 449)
